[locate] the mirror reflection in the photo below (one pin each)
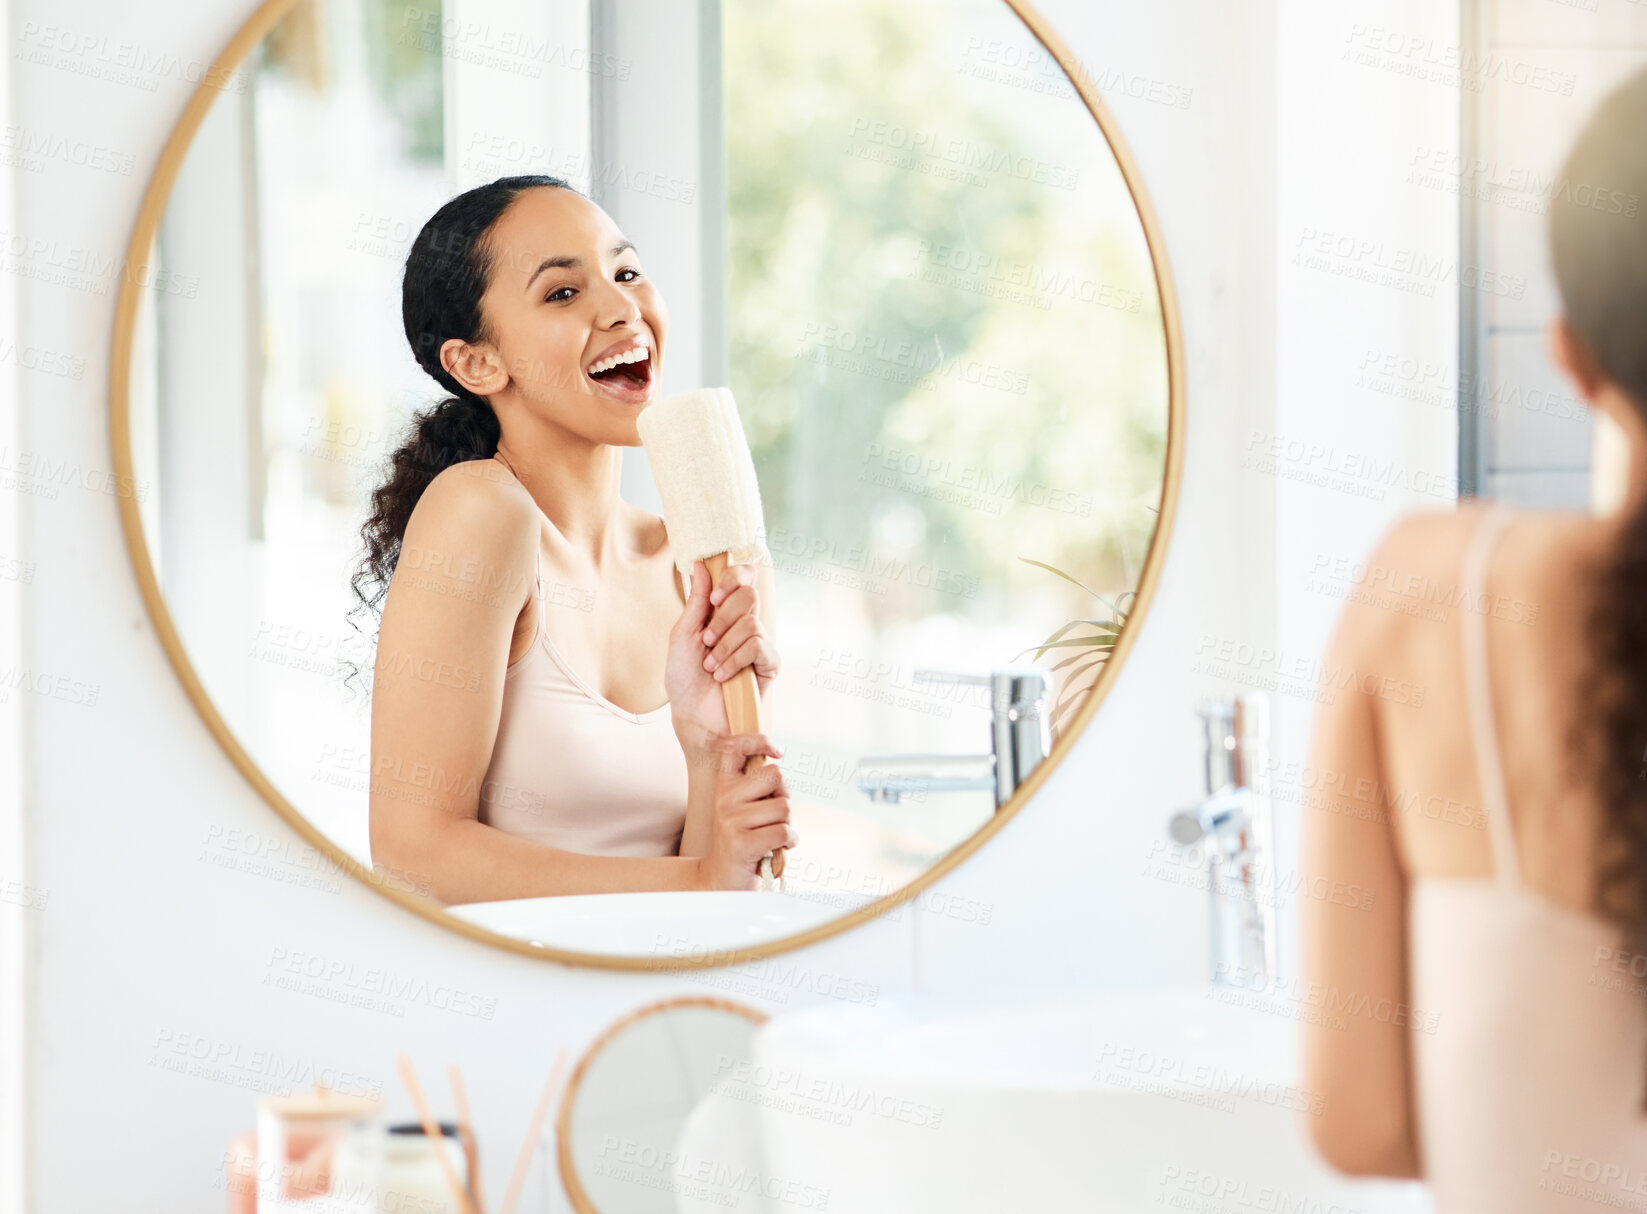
(410, 538)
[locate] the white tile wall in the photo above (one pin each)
(1535, 418)
(1526, 131)
(1541, 490)
(1538, 456)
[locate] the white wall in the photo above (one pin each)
(144, 941)
(1368, 265)
(17, 897)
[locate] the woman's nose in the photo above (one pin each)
(617, 306)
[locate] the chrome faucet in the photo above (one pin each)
(1019, 740)
(1236, 827)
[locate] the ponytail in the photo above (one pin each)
(1598, 246)
(447, 270)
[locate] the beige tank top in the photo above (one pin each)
(572, 770)
(1530, 1049)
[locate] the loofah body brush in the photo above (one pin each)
(712, 510)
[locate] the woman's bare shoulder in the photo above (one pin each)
(476, 509)
(649, 533)
(477, 485)
(1426, 538)
(1413, 551)
(1413, 582)
(1404, 581)
(1433, 543)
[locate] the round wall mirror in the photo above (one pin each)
(657, 1109)
(910, 240)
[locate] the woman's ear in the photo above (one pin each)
(477, 367)
(1572, 357)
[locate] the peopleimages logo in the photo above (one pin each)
(360, 983)
(1524, 188)
(870, 563)
(818, 1097)
(27, 143)
(466, 38)
(206, 1057)
(83, 269)
(916, 467)
(691, 1175)
(1606, 1172)
(100, 57)
(779, 973)
(1378, 263)
(1424, 58)
(966, 155)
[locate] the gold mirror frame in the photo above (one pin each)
(149, 215)
(563, 1116)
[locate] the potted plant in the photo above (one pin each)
(1089, 651)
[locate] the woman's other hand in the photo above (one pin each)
(751, 813)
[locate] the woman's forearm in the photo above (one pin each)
(463, 860)
(700, 807)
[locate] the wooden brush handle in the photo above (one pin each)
(743, 700)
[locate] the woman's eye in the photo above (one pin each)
(552, 295)
(630, 270)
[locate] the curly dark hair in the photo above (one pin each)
(1598, 248)
(447, 270)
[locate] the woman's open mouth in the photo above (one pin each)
(625, 374)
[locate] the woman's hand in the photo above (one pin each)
(751, 813)
(697, 703)
(734, 634)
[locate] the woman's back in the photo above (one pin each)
(1529, 1035)
(1526, 599)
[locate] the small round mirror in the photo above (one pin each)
(652, 1083)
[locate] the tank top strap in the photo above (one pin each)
(1478, 696)
(541, 605)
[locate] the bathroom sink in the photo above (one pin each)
(1183, 1098)
(653, 924)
